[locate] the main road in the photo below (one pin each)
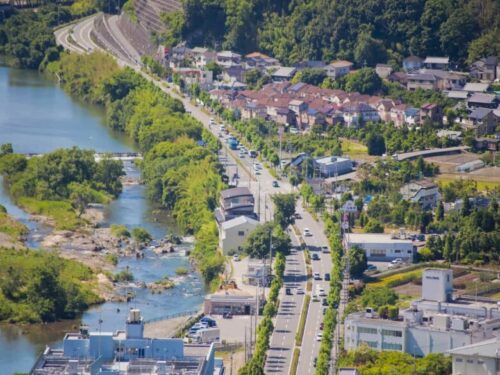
(78, 38)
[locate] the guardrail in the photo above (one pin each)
(171, 316)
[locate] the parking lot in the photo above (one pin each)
(233, 330)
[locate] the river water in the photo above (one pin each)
(38, 116)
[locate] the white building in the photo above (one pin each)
(333, 165)
(482, 358)
(338, 68)
(434, 324)
(383, 247)
(423, 192)
(234, 232)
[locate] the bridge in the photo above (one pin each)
(124, 156)
(428, 153)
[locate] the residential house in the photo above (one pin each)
(252, 110)
(283, 74)
(383, 70)
(482, 121)
(431, 112)
(234, 301)
(232, 84)
(228, 58)
(398, 115)
(235, 202)
(449, 134)
(202, 56)
(458, 95)
(191, 76)
(357, 114)
(487, 144)
(412, 116)
(257, 60)
(437, 63)
(423, 192)
(421, 81)
(472, 88)
(480, 358)
(412, 63)
(482, 100)
(233, 233)
(234, 73)
(486, 69)
(338, 68)
(399, 77)
(310, 64)
(384, 109)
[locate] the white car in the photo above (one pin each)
(321, 292)
(236, 258)
(319, 336)
(315, 298)
(307, 232)
(300, 291)
(316, 276)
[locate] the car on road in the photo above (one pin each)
(297, 216)
(300, 291)
(315, 256)
(324, 302)
(315, 297)
(321, 292)
(252, 153)
(397, 261)
(288, 291)
(275, 184)
(327, 276)
(321, 325)
(315, 361)
(307, 232)
(319, 336)
(371, 267)
(236, 258)
(316, 276)
(324, 310)
(227, 315)
(325, 249)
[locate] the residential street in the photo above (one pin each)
(261, 185)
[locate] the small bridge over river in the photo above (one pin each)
(124, 156)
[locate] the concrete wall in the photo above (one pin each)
(477, 365)
(234, 237)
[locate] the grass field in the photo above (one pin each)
(396, 279)
(60, 211)
(353, 148)
(482, 185)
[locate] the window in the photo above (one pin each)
(409, 251)
(470, 361)
(387, 332)
(241, 233)
(391, 346)
(371, 331)
(371, 344)
(458, 360)
(377, 252)
(397, 251)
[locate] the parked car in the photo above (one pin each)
(316, 276)
(307, 232)
(227, 315)
(275, 184)
(397, 261)
(327, 276)
(236, 258)
(371, 267)
(325, 249)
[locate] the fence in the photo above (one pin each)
(171, 316)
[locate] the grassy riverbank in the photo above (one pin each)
(180, 166)
(38, 286)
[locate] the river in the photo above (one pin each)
(38, 116)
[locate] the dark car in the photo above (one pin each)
(288, 291)
(315, 361)
(227, 315)
(321, 325)
(327, 276)
(325, 302)
(324, 311)
(315, 256)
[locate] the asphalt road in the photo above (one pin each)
(261, 185)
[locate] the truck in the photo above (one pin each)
(207, 335)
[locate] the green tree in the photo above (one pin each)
(215, 68)
(140, 235)
(284, 209)
(5, 149)
(259, 241)
(364, 81)
(375, 144)
(312, 76)
(369, 51)
(81, 195)
(357, 262)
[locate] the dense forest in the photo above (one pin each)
(367, 32)
(180, 167)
